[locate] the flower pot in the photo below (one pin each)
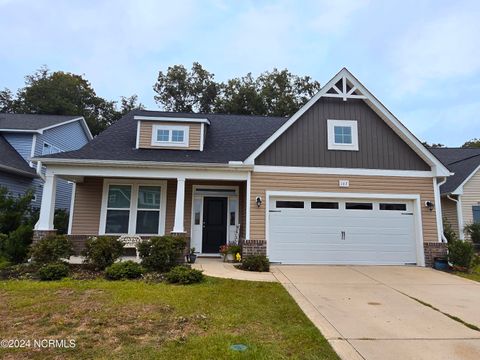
(440, 264)
(192, 258)
(229, 257)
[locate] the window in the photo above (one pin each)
(118, 209)
(148, 210)
(358, 206)
(197, 208)
(169, 135)
(393, 207)
(232, 211)
(48, 149)
(476, 213)
(342, 135)
(324, 205)
(289, 204)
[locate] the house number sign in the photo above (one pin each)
(343, 183)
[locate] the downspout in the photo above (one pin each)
(39, 170)
(439, 206)
(458, 202)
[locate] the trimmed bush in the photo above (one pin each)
(162, 253)
(17, 244)
(448, 231)
(255, 263)
(55, 271)
(473, 231)
(460, 254)
(124, 270)
(102, 251)
(51, 249)
(184, 275)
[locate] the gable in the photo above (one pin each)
(195, 135)
(305, 142)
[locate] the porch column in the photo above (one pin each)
(179, 207)
(47, 209)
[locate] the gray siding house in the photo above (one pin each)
(23, 137)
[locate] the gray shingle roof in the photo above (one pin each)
(31, 121)
(228, 138)
(12, 161)
(460, 161)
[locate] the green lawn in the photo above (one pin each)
(138, 320)
(474, 275)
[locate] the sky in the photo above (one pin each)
(420, 58)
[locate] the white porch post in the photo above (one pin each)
(47, 209)
(179, 206)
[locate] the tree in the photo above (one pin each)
(63, 93)
(474, 143)
(432, 146)
(240, 96)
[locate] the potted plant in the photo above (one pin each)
(234, 250)
(192, 257)
(225, 251)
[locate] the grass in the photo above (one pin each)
(474, 275)
(139, 320)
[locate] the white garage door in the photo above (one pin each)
(341, 231)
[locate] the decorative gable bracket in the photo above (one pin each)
(345, 90)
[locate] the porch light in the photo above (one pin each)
(429, 205)
(259, 201)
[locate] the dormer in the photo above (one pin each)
(174, 133)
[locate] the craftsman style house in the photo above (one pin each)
(342, 181)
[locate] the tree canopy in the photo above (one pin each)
(64, 93)
(275, 93)
(474, 143)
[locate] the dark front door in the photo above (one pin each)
(214, 224)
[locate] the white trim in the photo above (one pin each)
(459, 189)
(170, 129)
(459, 208)
(47, 207)
(247, 206)
(82, 122)
(32, 150)
(438, 207)
(51, 146)
(171, 119)
(72, 205)
(20, 131)
(137, 140)
(438, 168)
(340, 171)
(135, 184)
(332, 145)
(202, 136)
(178, 226)
(414, 197)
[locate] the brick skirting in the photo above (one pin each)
(433, 250)
(40, 234)
(254, 247)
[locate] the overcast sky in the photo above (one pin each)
(420, 58)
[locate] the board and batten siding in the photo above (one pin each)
(261, 182)
(87, 206)
(449, 213)
(470, 197)
(145, 136)
(305, 142)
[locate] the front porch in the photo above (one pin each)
(209, 208)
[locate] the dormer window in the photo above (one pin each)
(170, 135)
(342, 135)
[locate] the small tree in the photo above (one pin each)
(473, 231)
(448, 231)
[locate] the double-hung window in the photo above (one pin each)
(170, 135)
(342, 135)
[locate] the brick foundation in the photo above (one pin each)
(40, 234)
(254, 247)
(433, 250)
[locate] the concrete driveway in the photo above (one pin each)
(370, 312)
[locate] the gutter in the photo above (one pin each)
(458, 202)
(16, 171)
(444, 239)
(39, 170)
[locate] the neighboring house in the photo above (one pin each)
(23, 137)
(342, 181)
(461, 193)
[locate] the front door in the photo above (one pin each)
(214, 232)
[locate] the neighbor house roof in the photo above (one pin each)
(228, 138)
(12, 161)
(461, 161)
(37, 123)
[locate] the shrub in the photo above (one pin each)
(60, 221)
(14, 210)
(124, 270)
(51, 249)
(102, 251)
(448, 231)
(473, 231)
(17, 243)
(460, 254)
(161, 253)
(54, 271)
(255, 263)
(184, 275)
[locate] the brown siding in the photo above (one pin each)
(145, 140)
(260, 182)
(86, 207)
(305, 142)
(449, 213)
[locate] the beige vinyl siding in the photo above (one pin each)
(449, 213)
(87, 206)
(260, 182)
(470, 197)
(145, 137)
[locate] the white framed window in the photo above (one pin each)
(342, 135)
(170, 135)
(48, 149)
(133, 207)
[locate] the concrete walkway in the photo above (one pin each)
(218, 268)
(370, 312)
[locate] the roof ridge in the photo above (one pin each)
(464, 159)
(212, 113)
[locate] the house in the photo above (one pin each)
(461, 193)
(22, 137)
(342, 181)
